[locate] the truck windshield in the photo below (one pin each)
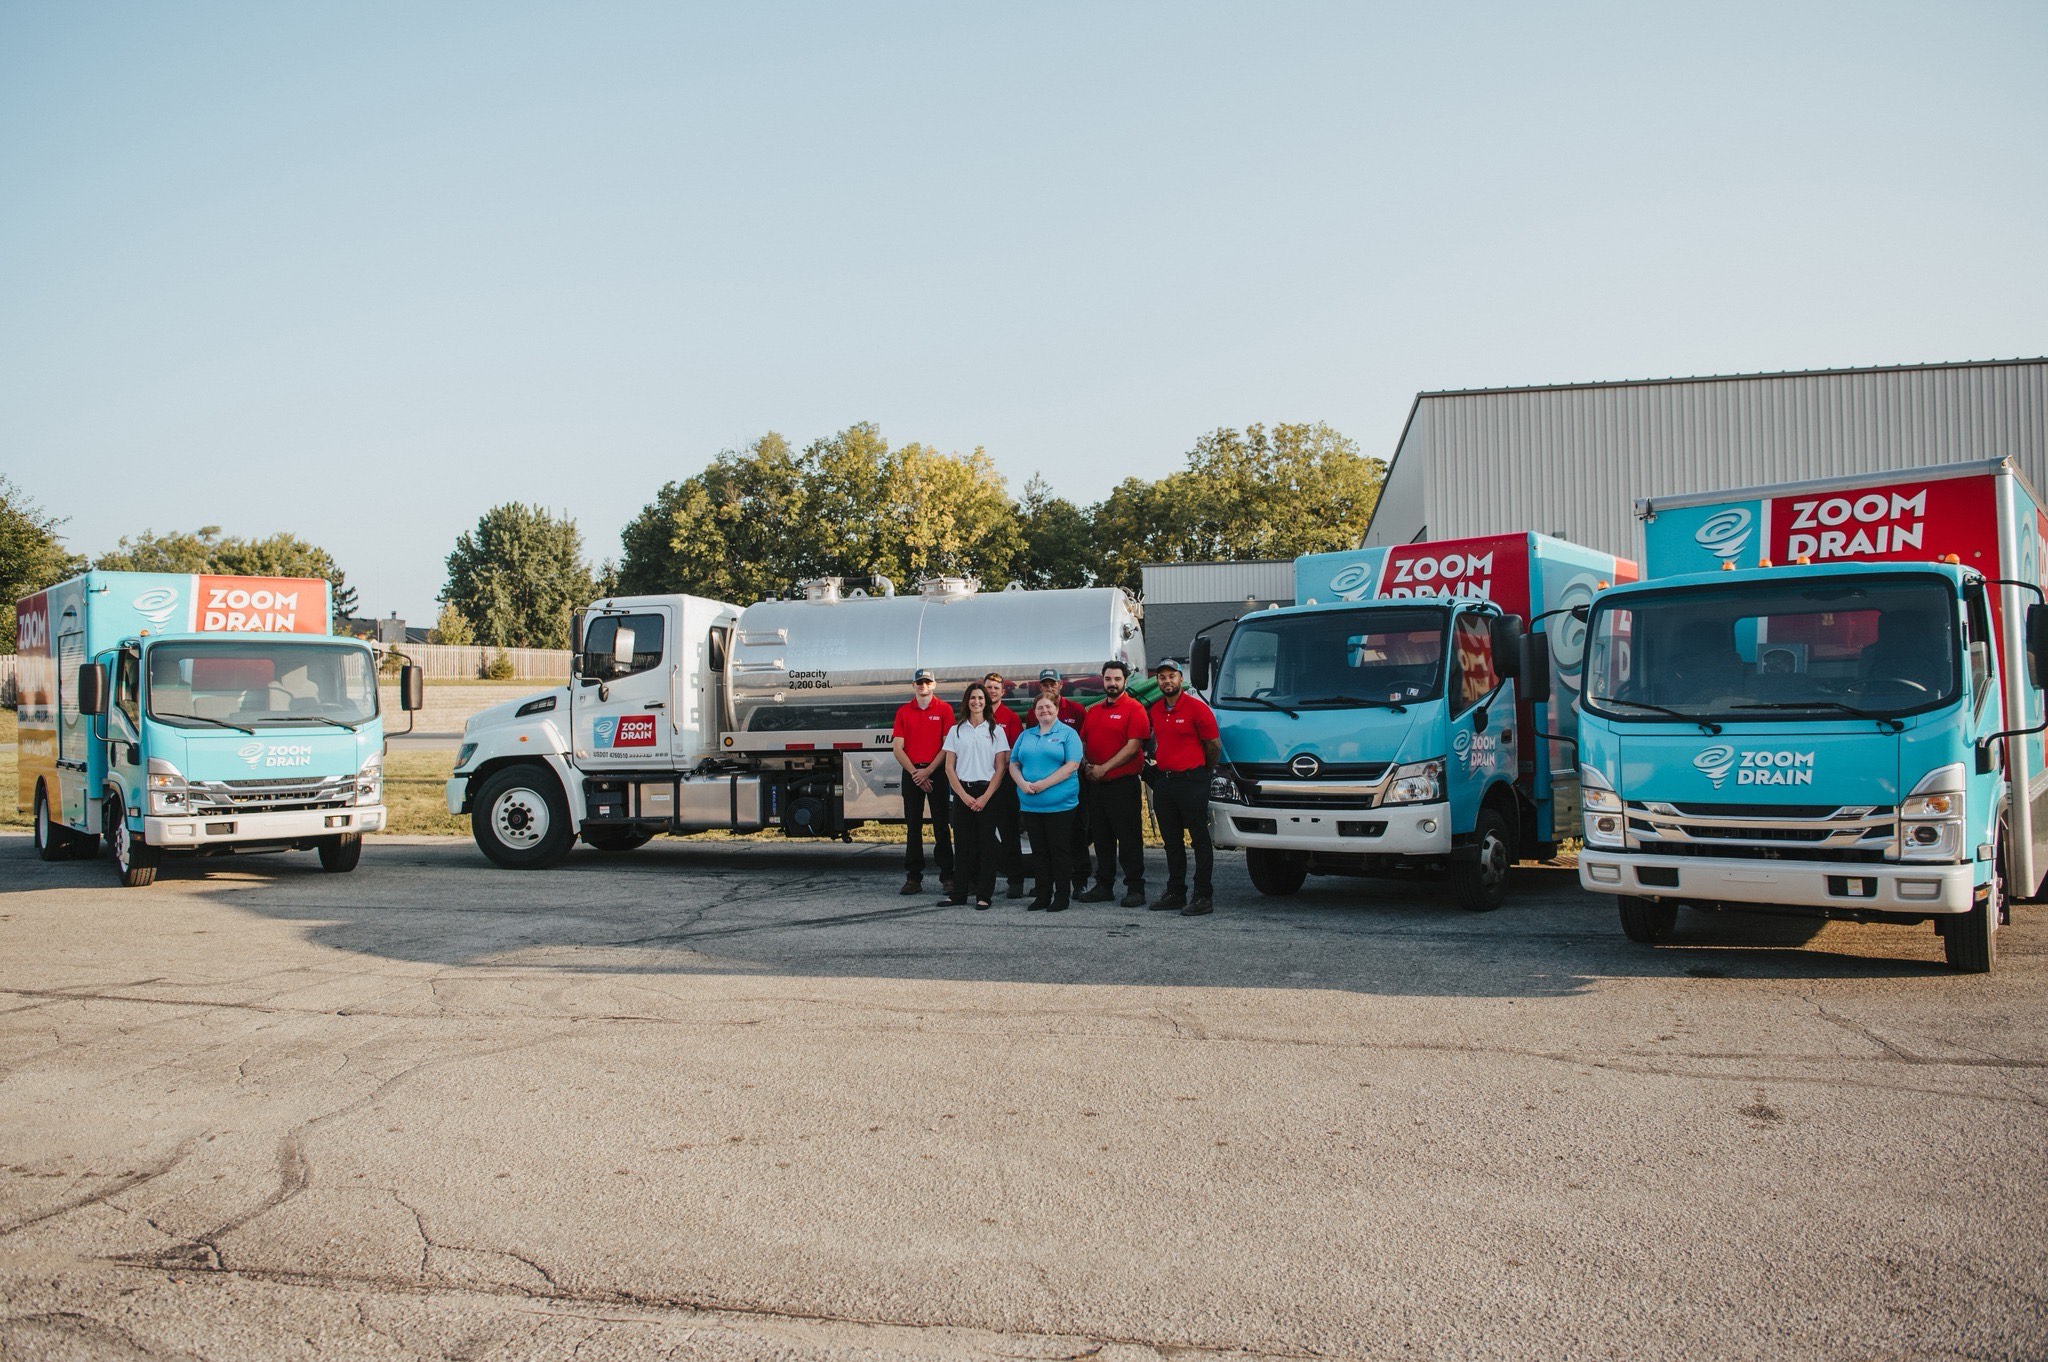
(1369, 657)
(1864, 646)
(255, 683)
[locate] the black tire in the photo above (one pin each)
(617, 839)
(1278, 873)
(52, 842)
(1479, 873)
(1971, 941)
(1647, 920)
(520, 819)
(134, 860)
(339, 855)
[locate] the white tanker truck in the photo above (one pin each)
(687, 715)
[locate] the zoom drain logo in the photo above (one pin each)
(1724, 533)
(1716, 763)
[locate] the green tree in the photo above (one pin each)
(518, 576)
(204, 550)
(450, 627)
(32, 554)
(943, 513)
(1056, 540)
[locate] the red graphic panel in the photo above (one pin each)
(635, 730)
(1904, 521)
(1493, 568)
(279, 605)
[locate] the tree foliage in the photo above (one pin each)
(32, 554)
(204, 550)
(518, 576)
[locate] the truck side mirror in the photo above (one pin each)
(2037, 645)
(622, 650)
(1507, 646)
(1198, 659)
(92, 689)
(412, 687)
(575, 643)
(1535, 664)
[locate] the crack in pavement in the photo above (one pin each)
(112, 1189)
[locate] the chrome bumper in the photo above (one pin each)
(198, 830)
(1402, 829)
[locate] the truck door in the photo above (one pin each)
(74, 732)
(624, 691)
(1478, 756)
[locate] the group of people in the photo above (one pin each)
(1070, 780)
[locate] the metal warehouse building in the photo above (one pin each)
(1571, 460)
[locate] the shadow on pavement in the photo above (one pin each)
(828, 910)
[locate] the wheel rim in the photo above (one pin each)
(122, 852)
(1996, 908)
(42, 822)
(520, 818)
(1493, 862)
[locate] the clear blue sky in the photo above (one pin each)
(361, 271)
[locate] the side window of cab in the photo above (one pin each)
(1472, 672)
(128, 687)
(1977, 624)
(600, 642)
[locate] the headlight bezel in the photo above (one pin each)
(1223, 786)
(165, 788)
(1416, 782)
(370, 780)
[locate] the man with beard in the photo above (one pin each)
(1113, 733)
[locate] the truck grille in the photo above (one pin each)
(1800, 831)
(272, 796)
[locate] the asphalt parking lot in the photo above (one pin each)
(739, 1100)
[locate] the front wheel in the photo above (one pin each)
(520, 819)
(1479, 877)
(52, 842)
(339, 855)
(1647, 920)
(134, 861)
(1971, 941)
(1275, 872)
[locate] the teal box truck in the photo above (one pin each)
(1377, 725)
(1825, 699)
(186, 714)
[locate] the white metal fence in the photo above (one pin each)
(8, 669)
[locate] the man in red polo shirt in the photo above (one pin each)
(919, 737)
(1113, 734)
(1009, 815)
(1186, 745)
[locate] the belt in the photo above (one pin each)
(1190, 771)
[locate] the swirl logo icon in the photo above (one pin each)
(250, 752)
(156, 604)
(1724, 533)
(603, 729)
(1462, 744)
(1715, 762)
(1351, 582)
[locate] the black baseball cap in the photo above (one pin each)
(1049, 674)
(923, 674)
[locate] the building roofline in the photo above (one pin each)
(1728, 378)
(1224, 562)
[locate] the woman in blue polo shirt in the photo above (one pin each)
(1045, 761)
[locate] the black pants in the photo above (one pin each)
(974, 834)
(1078, 843)
(1180, 803)
(1009, 830)
(1116, 822)
(940, 798)
(1052, 842)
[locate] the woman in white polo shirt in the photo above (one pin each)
(977, 758)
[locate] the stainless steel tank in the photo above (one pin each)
(836, 666)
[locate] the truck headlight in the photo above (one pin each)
(167, 789)
(1223, 786)
(1931, 817)
(370, 781)
(1606, 825)
(1419, 782)
(463, 754)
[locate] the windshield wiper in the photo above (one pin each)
(203, 719)
(1884, 721)
(1331, 701)
(1707, 725)
(312, 719)
(1258, 700)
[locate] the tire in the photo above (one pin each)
(617, 839)
(134, 861)
(52, 842)
(1479, 875)
(339, 855)
(1275, 872)
(1971, 940)
(1647, 920)
(520, 819)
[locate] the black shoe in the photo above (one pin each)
(1039, 904)
(1200, 906)
(982, 905)
(1016, 889)
(1100, 894)
(1059, 901)
(946, 886)
(913, 885)
(1172, 898)
(1080, 888)
(1134, 899)
(951, 901)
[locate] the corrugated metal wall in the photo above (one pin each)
(1187, 583)
(1572, 461)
